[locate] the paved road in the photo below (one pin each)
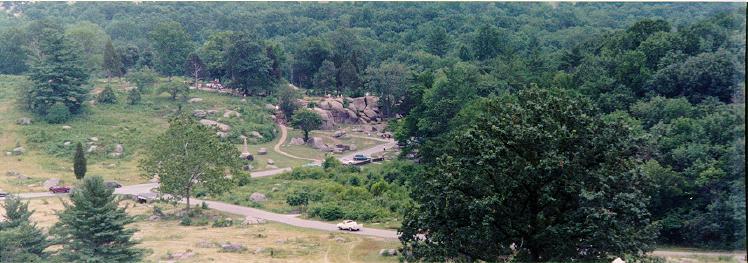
(740, 256)
(369, 151)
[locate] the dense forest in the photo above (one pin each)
(474, 90)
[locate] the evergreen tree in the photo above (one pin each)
(324, 79)
(92, 229)
(107, 96)
(112, 62)
(133, 96)
(20, 239)
(57, 76)
(79, 162)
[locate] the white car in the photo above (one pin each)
(350, 225)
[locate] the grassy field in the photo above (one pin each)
(133, 126)
(289, 244)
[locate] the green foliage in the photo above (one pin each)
(92, 228)
(20, 239)
(300, 198)
(288, 100)
(112, 61)
(331, 162)
(247, 66)
(553, 176)
(134, 96)
(79, 162)
(12, 53)
(306, 120)
(144, 78)
(107, 96)
(176, 89)
(223, 222)
(58, 113)
(57, 76)
(189, 155)
(325, 79)
(172, 45)
(389, 81)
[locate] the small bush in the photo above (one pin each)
(243, 179)
(204, 205)
(58, 113)
(327, 212)
(223, 222)
(107, 96)
(307, 173)
(186, 221)
(133, 96)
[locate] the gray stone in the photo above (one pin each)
(260, 250)
(195, 100)
(51, 182)
(231, 247)
(230, 113)
(222, 135)
(263, 151)
(67, 143)
(205, 244)
(94, 139)
(255, 134)
(222, 127)
(316, 143)
(352, 147)
(199, 113)
(211, 112)
(66, 127)
(12, 173)
(253, 221)
(270, 107)
(338, 134)
(257, 197)
(118, 148)
(91, 148)
(337, 150)
(154, 218)
(387, 252)
(271, 162)
(24, 121)
(18, 151)
(297, 141)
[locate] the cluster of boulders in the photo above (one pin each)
(319, 144)
(339, 110)
(253, 221)
(257, 197)
(16, 174)
(24, 121)
(388, 252)
(94, 145)
(18, 150)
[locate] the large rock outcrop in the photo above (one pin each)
(361, 110)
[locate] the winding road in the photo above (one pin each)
(253, 212)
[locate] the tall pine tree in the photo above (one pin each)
(92, 229)
(79, 162)
(20, 239)
(57, 74)
(112, 62)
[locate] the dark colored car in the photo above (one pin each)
(59, 189)
(3, 194)
(112, 184)
(360, 157)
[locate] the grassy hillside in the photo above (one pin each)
(133, 126)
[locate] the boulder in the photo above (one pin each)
(94, 139)
(253, 221)
(618, 260)
(18, 151)
(352, 147)
(316, 143)
(91, 148)
(247, 167)
(12, 173)
(337, 150)
(118, 150)
(370, 113)
(205, 244)
(199, 113)
(325, 105)
(338, 133)
(195, 100)
(387, 252)
(232, 247)
(154, 218)
(24, 121)
(297, 141)
(51, 182)
(255, 134)
(222, 127)
(270, 161)
(358, 104)
(260, 250)
(336, 106)
(66, 127)
(230, 113)
(263, 151)
(211, 112)
(67, 143)
(257, 197)
(180, 255)
(328, 121)
(270, 107)
(372, 101)
(352, 116)
(222, 135)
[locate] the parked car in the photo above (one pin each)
(59, 189)
(360, 157)
(112, 184)
(349, 225)
(3, 193)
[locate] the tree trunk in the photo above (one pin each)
(188, 201)
(306, 136)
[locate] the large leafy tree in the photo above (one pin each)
(12, 53)
(213, 53)
(308, 59)
(93, 227)
(288, 100)
(189, 155)
(172, 45)
(57, 75)
(20, 239)
(541, 171)
(90, 38)
(248, 67)
(389, 81)
(306, 120)
(325, 80)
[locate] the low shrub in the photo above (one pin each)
(58, 113)
(107, 96)
(223, 222)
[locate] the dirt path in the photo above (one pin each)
(284, 135)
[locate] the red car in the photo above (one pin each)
(59, 189)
